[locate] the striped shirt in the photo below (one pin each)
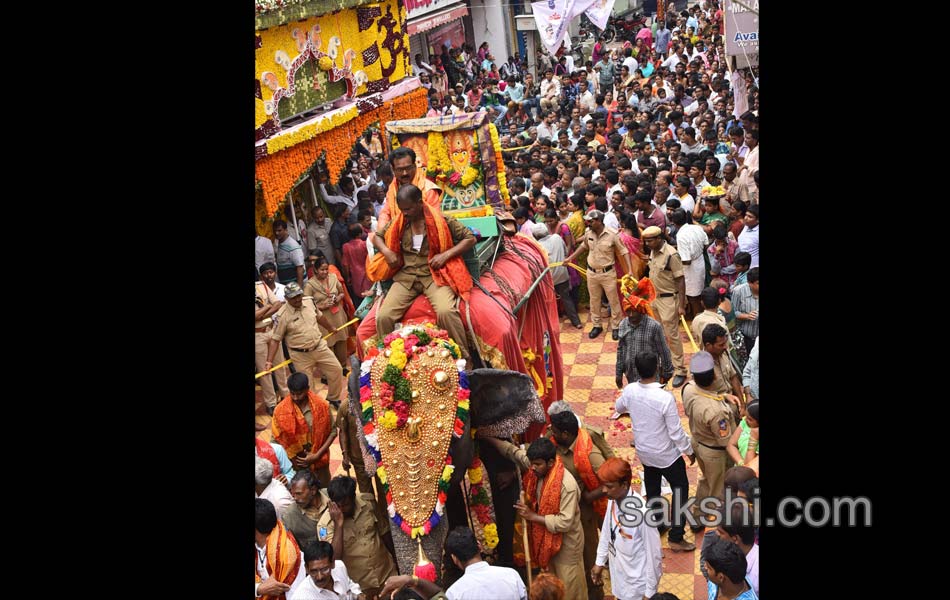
(744, 302)
(648, 335)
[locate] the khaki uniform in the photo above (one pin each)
(568, 564)
(667, 300)
(724, 371)
(415, 278)
(320, 291)
(602, 273)
(590, 520)
(303, 523)
(366, 557)
(712, 419)
(262, 331)
(306, 345)
(701, 320)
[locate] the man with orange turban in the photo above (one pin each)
(630, 545)
(640, 332)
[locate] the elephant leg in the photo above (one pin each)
(407, 552)
(504, 495)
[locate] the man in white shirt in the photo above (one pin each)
(550, 91)
(554, 246)
(348, 200)
(631, 546)
(268, 488)
(481, 580)
(547, 128)
(585, 99)
(660, 438)
(691, 242)
(326, 579)
(263, 251)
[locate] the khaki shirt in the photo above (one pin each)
(596, 460)
(602, 248)
(299, 326)
(664, 279)
(711, 417)
(268, 297)
(701, 320)
(567, 521)
(365, 555)
(303, 524)
(724, 372)
(416, 262)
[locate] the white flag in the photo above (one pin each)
(599, 12)
(553, 16)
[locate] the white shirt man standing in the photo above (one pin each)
(660, 438)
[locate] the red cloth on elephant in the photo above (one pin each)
(496, 328)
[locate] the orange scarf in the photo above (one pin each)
(454, 274)
(544, 544)
(582, 448)
(283, 558)
(289, 428)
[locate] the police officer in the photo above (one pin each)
(666, 273)
(299, 321)
(712, 419)
(603, 244)
(266, 305)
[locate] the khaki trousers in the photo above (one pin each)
(599, 284)
(713, 465)
(261, 339)
(667, 314)
(317, 362)
(444, 303)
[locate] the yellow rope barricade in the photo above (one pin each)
(272, 369)
(343, 326)
(689, 334)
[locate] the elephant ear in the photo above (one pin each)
(503, 403)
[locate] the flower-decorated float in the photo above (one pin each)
(325, 71)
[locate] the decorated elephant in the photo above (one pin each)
(418, 406)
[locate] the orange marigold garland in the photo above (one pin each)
(278, 172)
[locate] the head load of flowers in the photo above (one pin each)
(395, 398)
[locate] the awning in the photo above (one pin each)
(442, 17)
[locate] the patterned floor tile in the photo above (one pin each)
(580, 369)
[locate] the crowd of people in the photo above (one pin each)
(641, 161)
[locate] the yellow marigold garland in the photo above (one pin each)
(500, 164)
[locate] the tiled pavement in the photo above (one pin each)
(589, 388)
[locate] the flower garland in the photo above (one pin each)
(309, 131)
(279, 172)
(440, 167)
(499, 164)
(398, 346)
(480, 503)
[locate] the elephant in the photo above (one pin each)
(502, 402)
